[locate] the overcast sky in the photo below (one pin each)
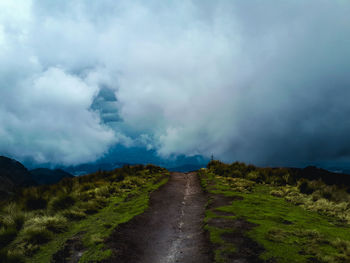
(266, 82)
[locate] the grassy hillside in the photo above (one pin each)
(275, 214)
(44, 223)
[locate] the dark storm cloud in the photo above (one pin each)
(260, 81)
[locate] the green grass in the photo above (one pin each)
(87, 208)
(97, 227)
(221, 247)
(288, 233)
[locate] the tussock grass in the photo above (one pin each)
(39, 219)
(74, 214)
(7, 234)
(36, 234)
(61, 202)
(56, 224)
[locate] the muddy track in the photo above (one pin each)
(171, 230)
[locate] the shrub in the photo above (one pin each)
(253, 175)
(74, 214)
(62, 202)
(87, 186)
(327, 195)
(103, 191)
(37, 234)
(14, 217)
(35, 203)
(86, 196)
(119, 178)
(6, 257)
(236, 173)
(276, 235)
(240, 184)
(344, 247)
(33, 198)
(7, 234)
(277, 193)
(52, 223)
(305, 188)
(91, 206)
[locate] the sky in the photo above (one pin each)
(265, 82)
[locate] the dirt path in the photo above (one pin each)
(170, 230)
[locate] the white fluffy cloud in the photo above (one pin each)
(47, 117)
(256, 81)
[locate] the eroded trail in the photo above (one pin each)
(170, 230)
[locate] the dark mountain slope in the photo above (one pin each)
(315, 173)
(13, 175)
(48, 176)
(15, 172)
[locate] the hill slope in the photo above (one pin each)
(277, 215)
(13, 174)
(48, 176)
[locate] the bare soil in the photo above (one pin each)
(71, 252)
(171, 230)
(248, 251)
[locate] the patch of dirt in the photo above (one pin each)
(223, 213)
(247, 249)
(221, 222)
(222, 200)
(71, 252)
(169, 231)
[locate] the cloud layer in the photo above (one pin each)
(259, 81)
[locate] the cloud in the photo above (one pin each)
(262, 82)
(47, 118)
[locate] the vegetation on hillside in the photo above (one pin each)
(287, 217)
(37, 223)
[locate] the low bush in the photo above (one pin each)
(103, 191)
(6, 257)
(87, 195)
(35, 203)
(254, 176)
(73, 214)
(55, 224)
(305, 187)
(7, 234)
(91, 207)
(277, 193)
(13, 217)
(119, 178)
(36, 234)
(62, 202)
(240, 184)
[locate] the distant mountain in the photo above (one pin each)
(315, 173)
(140, 155)
(187, 168)
(48, 176)
(94, 167)
(88, 168)
(13, 174)
(119, 155)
